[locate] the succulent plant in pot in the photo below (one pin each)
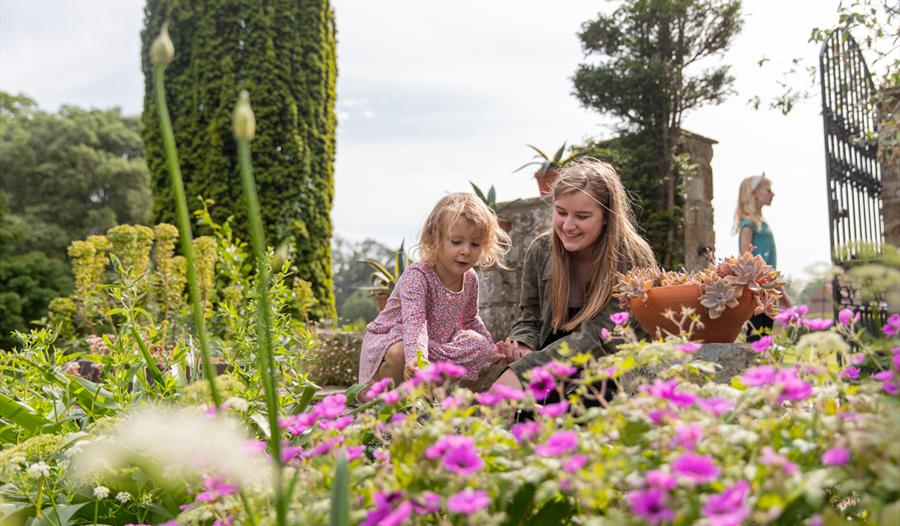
(490, 199)
(722, 297)
(383, 279)
(548, 167)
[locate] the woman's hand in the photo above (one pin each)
(511, 350)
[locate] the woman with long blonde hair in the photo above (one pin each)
(569, 272)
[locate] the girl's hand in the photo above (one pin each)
(512, 350)
(409, 370)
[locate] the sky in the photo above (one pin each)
(432, 95)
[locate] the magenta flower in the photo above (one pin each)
(620, 318)
(608, 372)
(760, 375)
(391, 397)
(428, 502)
(890, 388)
(446, 442)
(818, 324)
(289, 452)
(696, 468)
(253, 447)
(892, 327)
(337, 424)
(728, 508)
(689, 347)
(762, 344)
(715, 405)
(331, 406)
(658, 416)
(488, 398)
(450, 369)
(297, 424)
(574, 463)
(660, 479)
(385, 514)
(836, 456)
(770, 458)
(847, 317)
(895, 357)
(509, 393)
(558, 444)
(463, 460)
(542, 383)
(792, 387)
(561, 370)
(468, 501)
(857, 359)
(378, 388)
(382, 455)
(526, 431)
(650, 505)
(666, 390)
(323, 448)
(850, 373)
(353, 452)
(687, 435)
(604, 334)
(216, 487)
(883, 376)
(452, 401)
(553, 410)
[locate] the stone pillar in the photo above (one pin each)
(889, 157)
(499, 289)
(699, 235)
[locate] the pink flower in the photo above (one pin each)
(892, 327)
(391, 397)
(210, 412)
(542, 383)
(553, 410)
(574, 463)
(792, 387)
(883, 376)
(689, 347)
(620, 318)
(382, 455)
(463, 460)
(331, 406)
(289, 452)
(687, 435)
(604, 334)
(770, 458)
(857, 359)
(650, 505)
(658, 478)
(666, 390)
(253, 447)
(488, 398)
(836, 456)
(715, 405)
(728, 508)
(558, 444)
(509, 393)
(440, 447)
(450, 369)
(216, 487)
(428, 502)
(336, 424)
(526, 431)
(452, 401)
(818, 324)
(353, 452)
(561, 370)
(890, 388)
(696, 468)
(895, 357)
(816, 520)
(297, 424)
(762, 344)
(847, 317)
(323, 448)
(378, 388)
(385, 514)
(851, 373)
(658, 416)
(468, 501)
(760, 375)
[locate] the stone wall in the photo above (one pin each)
(699, 236)
(889, 156)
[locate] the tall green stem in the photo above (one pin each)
(263, 320)
(184, 227)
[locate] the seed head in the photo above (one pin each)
(244, 120)
(162, 50)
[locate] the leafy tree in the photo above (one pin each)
(646, 73)
(70, 174)
(350, 274)
(283, 53)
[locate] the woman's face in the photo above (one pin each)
(764, 193)
(578, 221)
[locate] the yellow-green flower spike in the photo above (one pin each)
(244, 120)
(162, 51)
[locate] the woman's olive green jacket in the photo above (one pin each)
(534, 326)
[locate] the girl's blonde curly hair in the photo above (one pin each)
(494, 241)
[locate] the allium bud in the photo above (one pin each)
(244, 121)
(162, 50)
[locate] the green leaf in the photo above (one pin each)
(49, 515)
(308, 392)
(554, 512)
(21, 414)
(262, 422)
(148, 358)
(521, 506)
(340, 493)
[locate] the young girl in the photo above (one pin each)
(756, 192)
(568, 273)
(434, 306)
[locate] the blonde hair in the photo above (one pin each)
(618, 249)
(495, 242)
(748, 207)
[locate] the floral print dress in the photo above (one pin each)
(425, 314)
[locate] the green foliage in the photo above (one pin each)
(646, 75)
(384, 279)
(283, 53)
(350, 273)
(545, 162)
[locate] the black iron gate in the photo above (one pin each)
(852, 171)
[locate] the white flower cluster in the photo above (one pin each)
(101, 492)
(38, 470)
(123, 497)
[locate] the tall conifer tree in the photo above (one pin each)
(283, 53)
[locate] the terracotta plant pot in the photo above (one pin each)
(724, 329)
(504, 224)
(545, 181)
(382, 301)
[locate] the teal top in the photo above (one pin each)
(762, 240)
